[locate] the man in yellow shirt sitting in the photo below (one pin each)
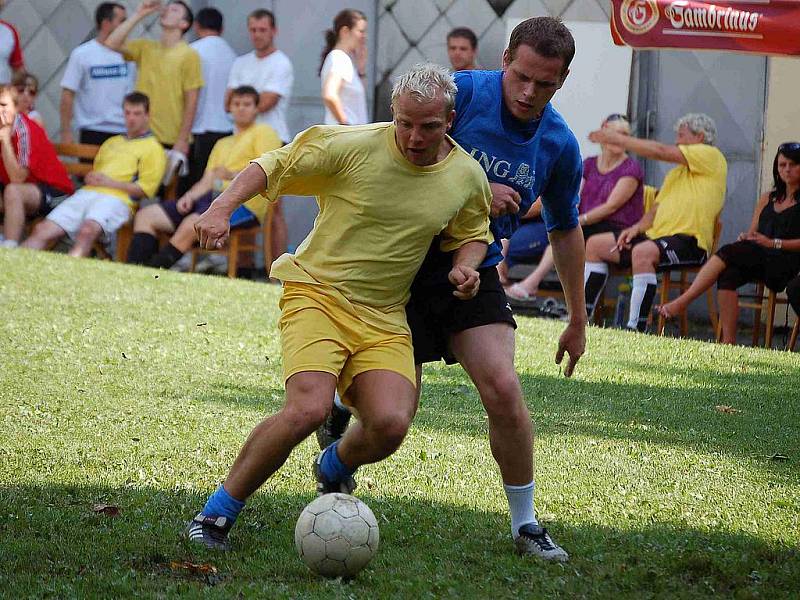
(126, 169)
(230, 155)
(384, 191)
(678, 230)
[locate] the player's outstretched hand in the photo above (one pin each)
(212, 229)
(467, 281)
(505, 200)
(573, 342)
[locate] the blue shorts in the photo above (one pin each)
(527, 244)
(243, 217)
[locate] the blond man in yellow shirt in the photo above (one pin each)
(229, 156)
(127, 168)
(168, 70)
(678, 229)
(384, 191)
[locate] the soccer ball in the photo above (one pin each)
(336, 535)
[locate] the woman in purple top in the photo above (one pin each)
(612, 199)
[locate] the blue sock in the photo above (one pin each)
(222, 504)
(332, 467)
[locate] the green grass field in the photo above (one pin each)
(135, 388)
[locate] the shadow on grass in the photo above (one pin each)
(54, 545)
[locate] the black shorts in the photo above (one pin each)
(434, 314)
(200, 206)
(49, 198)
(747, 262)
(601, 227)
(677, 250)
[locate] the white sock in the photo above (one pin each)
(2, 238)
(642, 294)
(520, 504)
(9, 243)
(338, 401)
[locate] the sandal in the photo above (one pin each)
(517, 292)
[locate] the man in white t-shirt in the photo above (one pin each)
(211, 122)
(270, 72)
(11, 61)
(94, 84)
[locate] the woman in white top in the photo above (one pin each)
(343, 65)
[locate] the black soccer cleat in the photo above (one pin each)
(212, 532)
(533, 540)
(330, 487)
(334, 426)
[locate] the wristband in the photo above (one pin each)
(777, 243)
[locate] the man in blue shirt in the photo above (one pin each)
(504, 119)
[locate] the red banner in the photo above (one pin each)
(761, 27)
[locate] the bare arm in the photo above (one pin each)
(267, 101)
(622, 192)
(101, 179)
(189, 109)
(65, 110)
(569, 258)
(330, 96)
(16, 172)
(464, 274)
(213, 226)
(116, 39)
(760, 204)
(646, 148)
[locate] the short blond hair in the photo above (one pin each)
(423, 82)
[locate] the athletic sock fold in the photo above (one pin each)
(595, 276)
(643, 292)
(222, 504)
(165, 258)
(520, 505)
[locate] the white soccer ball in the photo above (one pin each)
(336, 535)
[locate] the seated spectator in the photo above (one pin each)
(229, 156)
(462, 49)
(27, 87)
(126, 169)
(527, 244)
(611, 201)
(32, 179)
(344, 63)
(678, 230)
(769, 251)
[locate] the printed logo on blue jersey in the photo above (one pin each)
(108, 71)
(497, 168)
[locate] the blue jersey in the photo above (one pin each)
(537, 159)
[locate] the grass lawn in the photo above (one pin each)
(135, 388)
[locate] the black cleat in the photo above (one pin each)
(212, 532)
(328, 487)
(334, 427)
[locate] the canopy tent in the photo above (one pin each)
(758, 27)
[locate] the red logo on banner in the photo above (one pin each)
(639, 16)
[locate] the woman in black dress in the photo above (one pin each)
(769, 251)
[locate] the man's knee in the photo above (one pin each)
(390, 428)
(501, 393)
(644, 254)
(305, 417)
(89, 230)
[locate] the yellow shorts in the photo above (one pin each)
(319, 332)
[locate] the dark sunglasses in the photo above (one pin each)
(789, 147)
(616, 117)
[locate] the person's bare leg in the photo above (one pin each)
(308, 399)
(602, 248)
(707, 277)
(44, 235)
(185, 237)
(487, 355)
(19, 200)
(532, 282)
(728, 301)
(280, 233)
(386, 404)
(152, 220)
(89, 232)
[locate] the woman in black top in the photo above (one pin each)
(768, 251)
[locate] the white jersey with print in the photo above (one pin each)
(352, 96)
(273, 73)
(216, 58)
(100, 79)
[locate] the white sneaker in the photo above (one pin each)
(534, 540)
(9, 243)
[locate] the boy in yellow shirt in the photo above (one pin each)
(230, 155)
(384, 191)
(678, 229)
(126, 169)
